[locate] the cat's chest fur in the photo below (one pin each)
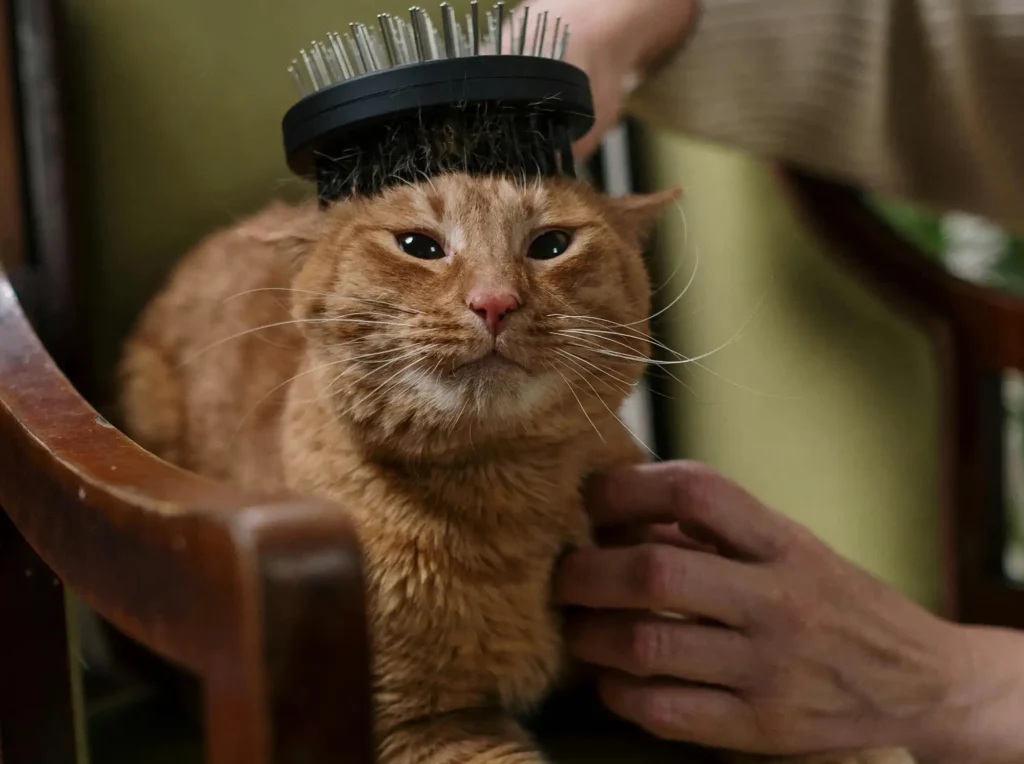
(459, 561)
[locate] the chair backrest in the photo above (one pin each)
(38, 248)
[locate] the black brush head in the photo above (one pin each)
(377, 114)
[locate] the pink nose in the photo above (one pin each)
(492, 307)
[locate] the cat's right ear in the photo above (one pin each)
(635, 215)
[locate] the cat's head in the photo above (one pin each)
(461, 312)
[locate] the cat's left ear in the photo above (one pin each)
(636, 215)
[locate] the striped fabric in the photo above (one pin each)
(919, 98)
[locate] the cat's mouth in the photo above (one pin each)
(492, 361)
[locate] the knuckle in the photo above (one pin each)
(656, 575)
(693, 485)
(646, 649)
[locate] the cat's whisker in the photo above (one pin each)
(239, 335)
(655, 366)
(600, 369)
(681, 295)
(612, 353)
(685, 246)
(366, 372)
(653, 361)
(276, 324)
(422, 353)
(458, 417)
(630, 333)
(274, 289)
(596, 343)
(583, 408)
(607, 323)
(582, 363)
(381, 303)
(609, 410)
(263, 400)
(404, 354)
(746, 389)
(385, 304)
(606, 333)
(603, 334)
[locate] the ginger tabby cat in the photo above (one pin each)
(444, 361)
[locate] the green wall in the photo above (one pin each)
(175, 128)
(825, 404)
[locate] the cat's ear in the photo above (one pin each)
(292, 232)
(636, 215)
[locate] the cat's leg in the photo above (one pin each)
(867, 757)
(469, 737)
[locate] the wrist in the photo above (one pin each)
(641, 33)
(667, 25)
(981, 718)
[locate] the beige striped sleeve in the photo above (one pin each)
(921, 98)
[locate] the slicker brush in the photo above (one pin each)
(404, 100)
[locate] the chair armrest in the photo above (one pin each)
(261, 596)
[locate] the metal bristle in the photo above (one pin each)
(384, 20)
(475, 26)
(433, 37)
(451, 40)
(499, 23)
(492, 30)
(543, 34)
(397, 41)
(522, 31)
(299, 82)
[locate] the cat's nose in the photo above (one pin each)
(493, 307)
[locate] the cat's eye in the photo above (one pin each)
(419, 246)
(550, 245)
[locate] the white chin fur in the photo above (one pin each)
(499, 399)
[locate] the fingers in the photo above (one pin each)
(706, 505)
(647, 646)
(676, 711)
(632, 495)
(629, 535)
(657, 577)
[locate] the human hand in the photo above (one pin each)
(788, 649)
(614, 42)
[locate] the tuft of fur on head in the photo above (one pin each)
(480, 139)
(400, 358)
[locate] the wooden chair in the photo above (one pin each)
(260, 598)
(978, 334)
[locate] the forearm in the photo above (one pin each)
(914, 97)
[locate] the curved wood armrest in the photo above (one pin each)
(262, 597)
